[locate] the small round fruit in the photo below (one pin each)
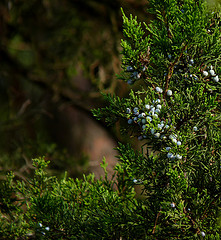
(149, 119)
(216, 78)
(147, 106)
(143, 121)
(195, 128)
(157, 135)
(136, 109)
(152, 130)
(158, 89)
(128, 110)
(172, 205)
(130, 121)
(191, 61)
(135, 180)
(212, 73)
(205, 73)
(169, 93)
(170, 155)
(129, 69)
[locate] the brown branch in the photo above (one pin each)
(171, 67)
(192, 221)
(158, 215)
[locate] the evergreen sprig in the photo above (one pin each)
(177, 116)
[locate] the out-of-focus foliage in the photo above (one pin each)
(54, 53)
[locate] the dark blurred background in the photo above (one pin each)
(55, 59)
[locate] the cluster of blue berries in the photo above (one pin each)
(211, 73)
(146, 118)
(137, 181)
(176, 142)
(184, 67)
(174, 139)
(149, 121)
(42, 229)
(135, 75)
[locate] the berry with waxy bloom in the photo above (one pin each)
(157, 89)
(216, 78)
(147, 106)
(152, 110)
(128, 110)
(143, 121)
(172, 137)
(212, 73)
(135, 180)
(152, 130)
(172, 205)
(170, 155)
(148, 118)
(157, 135)
(163, 137)
(136, 109)
(130, 69)
(135, 75)
(205, 73)
(191, 61)
(169, 93)
(195, 128)
(158, 100)
(130, 121)
(157, 110)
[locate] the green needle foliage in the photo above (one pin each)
(176, 114)
(175, 111)
(47, 208)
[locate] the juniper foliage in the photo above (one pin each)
(176, 114)
(174, 64)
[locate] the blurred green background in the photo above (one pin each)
(55, 59)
